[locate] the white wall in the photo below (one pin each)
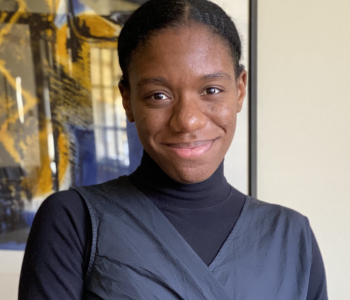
(10, 267)
(304, 121)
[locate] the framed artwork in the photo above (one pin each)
(62, 123)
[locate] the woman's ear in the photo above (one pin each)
(242, 89)
(125, 93)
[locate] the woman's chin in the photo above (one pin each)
(190, 174)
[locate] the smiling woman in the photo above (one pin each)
(183, 95)
(175, 228)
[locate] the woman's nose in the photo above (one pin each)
(188, 115)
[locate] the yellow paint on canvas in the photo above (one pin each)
(22, 6)
(51, 5)
(61, 48)
(39, 178)
(44, 185)
(63, 150)
(5, 137)
(3, 17)
(99, 26)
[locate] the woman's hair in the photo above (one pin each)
(155, 15)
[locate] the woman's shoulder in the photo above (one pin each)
(63, 200)
(262, 204)
(274, 212)
(58, 247)
(62, 211)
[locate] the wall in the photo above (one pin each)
(10, 266)
(304, 121)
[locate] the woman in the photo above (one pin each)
(174, 229)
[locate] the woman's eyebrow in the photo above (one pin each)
(153, 80)
(217, 76)
(163, 81)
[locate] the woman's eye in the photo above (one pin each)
(211, 91)
(159, 96)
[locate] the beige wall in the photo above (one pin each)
(304, 121)
(10, 266)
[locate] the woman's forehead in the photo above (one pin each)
(187, 48)
(187, 35)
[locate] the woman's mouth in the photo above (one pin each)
(192, 149)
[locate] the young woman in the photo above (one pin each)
(174, 229)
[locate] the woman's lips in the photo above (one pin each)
(191, 150)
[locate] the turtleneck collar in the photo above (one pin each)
(150, 179)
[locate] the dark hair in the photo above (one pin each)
(156, 15)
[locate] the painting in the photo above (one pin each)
(62, 123)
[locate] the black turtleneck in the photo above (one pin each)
(203, 213)
(58, 248)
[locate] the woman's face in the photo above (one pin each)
(184, 98)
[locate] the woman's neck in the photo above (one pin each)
(150, 179)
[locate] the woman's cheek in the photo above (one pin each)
(223, 115)
(149, 124)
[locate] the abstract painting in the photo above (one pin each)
(62, 123)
